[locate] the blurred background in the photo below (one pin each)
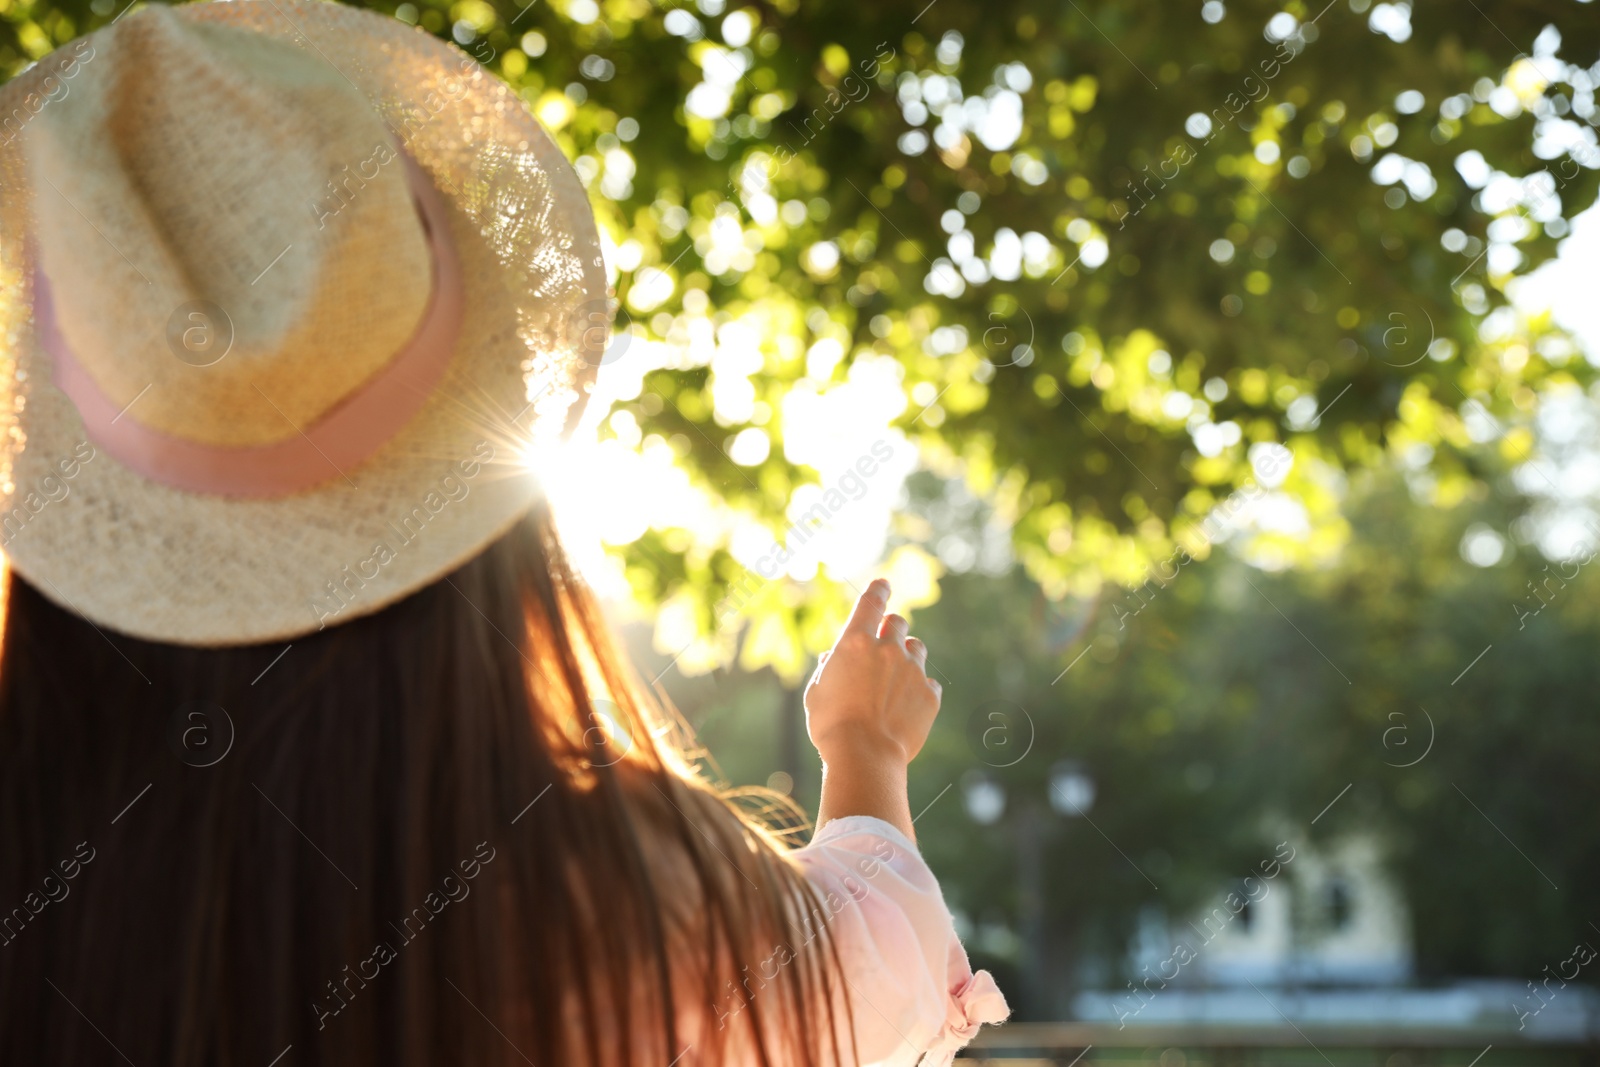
(1215, 382)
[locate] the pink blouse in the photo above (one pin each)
(914, 997)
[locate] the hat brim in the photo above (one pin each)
(158, 563)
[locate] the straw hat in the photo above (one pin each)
(287, 290)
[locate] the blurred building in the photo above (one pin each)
(1330, 918)
(1326, 943)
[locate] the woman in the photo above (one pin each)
(313, 749)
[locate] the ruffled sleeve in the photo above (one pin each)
(913, 995)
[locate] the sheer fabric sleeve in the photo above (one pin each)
(914, 998)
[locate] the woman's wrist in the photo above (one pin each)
(861, 747)
(865, 782)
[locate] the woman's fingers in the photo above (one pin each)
(918, 650)
(869, 609)
(894, 628)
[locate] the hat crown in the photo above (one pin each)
(264, 257)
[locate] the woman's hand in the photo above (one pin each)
(869, 708)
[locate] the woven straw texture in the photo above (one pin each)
(141, 175)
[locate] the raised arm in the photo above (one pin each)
(913, 996)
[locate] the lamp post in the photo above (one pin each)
(1071, 788)
(1070, 793)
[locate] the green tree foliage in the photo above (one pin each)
(1110, 247)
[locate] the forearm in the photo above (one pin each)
(866, 785)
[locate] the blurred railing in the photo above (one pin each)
(1083, 1044)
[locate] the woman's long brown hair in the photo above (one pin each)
(456, 831)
